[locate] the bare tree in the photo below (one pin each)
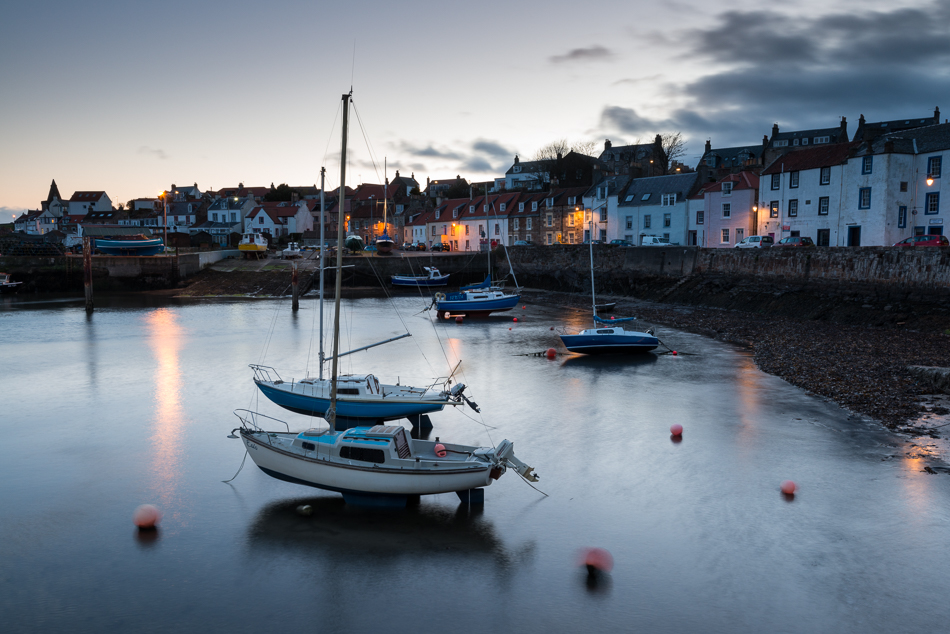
(587, 148)
(673, 147)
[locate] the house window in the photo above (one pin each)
(572, 200)
(667, 219)
(438, 212)
(902, 217)
(527, 225)
(646, 221)
(481, 231)
(805, 141)
(726, 210)
(603, 214)
(570, 220)
(517, 224)
(866, 164)
(864, 198)
(485, 208)
(471, 209)
(793, 208)
(466, 233)
(903, 186)
(792, 180)
(823, 206)
(824, 237)
(773, 209)
(455, 213)
(668, 200)
(776, 181)
(534, 205)
(520, 206)
(445, 231)
(932, 205)
(549, 220)
(645, 197)
(794, 141)
(725, 236)
(260, 220)
(629, 222)
(433, 230)
(825, 177)
(502, 206)
(934, 165)
(782, 143)
(727, 189)
(822, 139)
(550, 238)
(516, 169)
(550, 202)
(700, 219)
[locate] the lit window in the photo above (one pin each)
(773, 209)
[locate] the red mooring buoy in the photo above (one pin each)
(596, 560)
(789, 487)
(458, 319)
(515, 319)
(676, 430)
(147, 516)
(551, 353)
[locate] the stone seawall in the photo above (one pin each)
(110, 273)
(872, 285)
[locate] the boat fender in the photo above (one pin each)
(439, 450)
(440, 297)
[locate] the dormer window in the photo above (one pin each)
(520, 206)
(782, 143)
(455, 213)
(516, 169)
(438, 212)
(822, 139)
(550, 202)
(485, 208)
(502, 206)
(534, 205)
(795, 142)
(471, 209)
(727, 189)
(805, 141)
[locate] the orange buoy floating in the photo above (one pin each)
(789, 487)
(439, 450)
(147, 516)
(596, 560)
(551, 353)
(676, 430)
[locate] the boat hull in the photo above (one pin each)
(405, 280)
(362, 480)
(477, 307)
(130, 247)
(349, 413)
(610, 344)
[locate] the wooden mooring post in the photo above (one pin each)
(87, 270)
(296, 287)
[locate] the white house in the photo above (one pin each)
(653, 206)
(82, 203)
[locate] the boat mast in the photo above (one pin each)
(593, 298)
(323, 180)
(341, 218)
(385, 196)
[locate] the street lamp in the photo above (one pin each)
(930, 180)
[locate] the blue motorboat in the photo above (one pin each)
(475, 302)
(131, 245)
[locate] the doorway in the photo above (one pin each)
(854, 236)
(824, 237)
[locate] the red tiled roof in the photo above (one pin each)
(80, 197)
(812, 158)
(742, 180)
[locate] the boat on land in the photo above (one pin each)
(374, 465)
(292, 251)
(607, 336)
(130, 245)
(253, 245)
(7, 285)
(431, 278)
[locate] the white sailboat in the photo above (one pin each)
(375, 465)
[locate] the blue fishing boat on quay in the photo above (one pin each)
(130, 245)
(431, 278)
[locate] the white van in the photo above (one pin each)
(654, 241)
(756, 242)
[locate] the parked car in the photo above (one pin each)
(524, 243)
(441, 246)
(622, 243)
(418, 246)
(924, 241)
(795, 241)
(407, 246)
(592, 242)
(756, 242)
(654, 241)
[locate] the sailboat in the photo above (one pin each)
(478, 299)
(357, 399)
(606, 337)
(372, 465)
(385, 244)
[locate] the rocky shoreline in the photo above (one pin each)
(862, 368)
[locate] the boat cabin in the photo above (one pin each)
(353, 384)
(362, 444)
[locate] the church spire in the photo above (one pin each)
(53, 191)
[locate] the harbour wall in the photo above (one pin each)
(109, 273)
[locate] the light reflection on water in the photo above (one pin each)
(701, 538)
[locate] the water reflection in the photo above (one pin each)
(345, 538)
(610, 362)
(165, 338)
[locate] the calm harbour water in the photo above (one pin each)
(133, 405)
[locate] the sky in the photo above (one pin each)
(132, 96)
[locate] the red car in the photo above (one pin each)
(924, 241)
(797, 241)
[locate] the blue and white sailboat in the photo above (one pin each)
(606, 337)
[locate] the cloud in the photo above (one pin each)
(478, 156)
(156, 152)
(492, 148)
(594, 53)
(428, 151)
(800, 71)
(637, 80)
(476, 164)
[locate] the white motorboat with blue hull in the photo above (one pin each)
(377, 465)
(142, 246)
(480, 302)
(361, 398)
(431, 278)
